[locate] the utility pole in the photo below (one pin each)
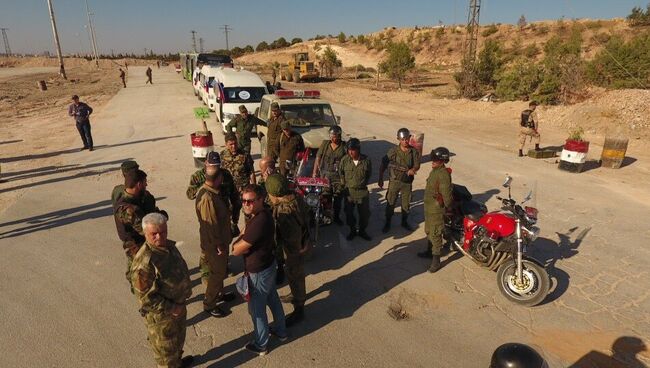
(56, 40)
(193, 40)
(201, 44)
(92, 34)
(6, 41)
(226, 28)
(469, 86)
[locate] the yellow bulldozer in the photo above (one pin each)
(300, 69)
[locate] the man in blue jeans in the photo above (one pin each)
(81, 113)
(256, 244)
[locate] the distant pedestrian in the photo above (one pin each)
(256, 246)
(529, 128)
(126, 66)
(269, 87)
(123, 77)
(149, 76)
(274, 74)
(158, 63)
(81, 113)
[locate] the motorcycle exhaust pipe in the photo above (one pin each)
(460, 249)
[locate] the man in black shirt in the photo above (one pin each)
(256, 246)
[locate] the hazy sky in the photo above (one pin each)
(164, 26)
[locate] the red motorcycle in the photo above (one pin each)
(498, 241)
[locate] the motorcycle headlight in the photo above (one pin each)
(312, 200)
(533, 233)
(318, 189)
(306, 189)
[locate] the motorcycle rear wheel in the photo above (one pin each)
(535, 285)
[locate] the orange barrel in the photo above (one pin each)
(417, 141)
(201, 144)
(613, 152)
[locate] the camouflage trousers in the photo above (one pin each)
(395, 188)
(528, 133)
(295, 268)
(434, 227)
(166, 335)
(213, 272)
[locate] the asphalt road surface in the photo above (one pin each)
(65, 301)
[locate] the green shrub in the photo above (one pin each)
(594, 24)
(622, 64)
(531, 50)
(601, 38)
(541, 30)
(489, 63)
(490, 30)
(638, 17)
(520, 80)
(440, 32)
(398, 62)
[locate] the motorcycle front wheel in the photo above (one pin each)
(532, 289)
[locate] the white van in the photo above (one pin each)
(235, 87)
(206, 83)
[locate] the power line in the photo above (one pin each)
(226, 28)
(6, 41)
(92, 34)
(56, 40)
(193, 40)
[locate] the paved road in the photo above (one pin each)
(65, 301)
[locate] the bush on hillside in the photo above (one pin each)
(622, 64)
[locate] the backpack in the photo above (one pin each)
(525, 118)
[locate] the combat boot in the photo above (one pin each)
(521, 153)
(352, 234)
(426, 253)
(537, 147)
(296, 316)
(435, 263)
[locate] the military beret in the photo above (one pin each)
(275, 106)
(129, 165)
(285, 124)
(213, 159)
(230, 137)
(242, 108)
(277, 185)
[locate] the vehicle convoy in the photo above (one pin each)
(230, 88)
(190, 60)
(309, 115)
(300, 69)
(498, 241)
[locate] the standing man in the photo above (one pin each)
(274, 131)
(267, 168)
(291, 229)
(240, 165)
(148, 201)
(81, 113)
(149, 75)
(215, 232)
(256, 246)
(437, 198)
(123, 77)
(529, 127)
(274, 74)
(162, 284)
(328, 159)
(355, 172)
(403, 162)
(289, 144)
(243, 125)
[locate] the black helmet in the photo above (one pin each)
(336, 130)
(353, 144)
(403, 133)
(440, 154)
(514, 355)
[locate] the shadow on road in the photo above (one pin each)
(82, 174)
(624, 354)
(49, 170)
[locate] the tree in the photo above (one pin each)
(330, 61)
(262, 46)
(248, 49)
(398, 61)
(296, 40)
(622, 64)
(638, 17)
(520, 80)
(279, 43)
(489, 63)
(341, 37)
(521, 23)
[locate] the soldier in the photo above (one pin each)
(148, 201)
(289, 144)
(215, 231)
(355, 172)
(237, 162)
(437, 198)
(328, 158)
(81, 113)
(274, 74)
(267, 167)
(149, 75)
(529, 127)
(244, 124)
(291, 229)
(123, 77)
(162, 284)
(274, 131)
(403, 162)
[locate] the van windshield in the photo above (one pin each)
(310, 115)
(244, 94)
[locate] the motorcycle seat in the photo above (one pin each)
(473, 210)
(475, 216)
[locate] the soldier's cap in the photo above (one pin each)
(275, 106)
(285, 124)
(277, 185)
(129, 165)
(213, 159)
(230, 137)
(242, 108)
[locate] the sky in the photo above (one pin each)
(164, 26)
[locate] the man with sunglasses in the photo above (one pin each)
(403, 162)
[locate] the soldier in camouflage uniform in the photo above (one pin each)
(355, 172)
(437, 198)
(403, 162)
(274, 131)
(240, 165)
(291, 229)
(148, 201)
(243, 125)
(289, 144)
(162, 284)
(328, 158)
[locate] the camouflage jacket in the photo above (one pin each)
(160, 278)
(128, 215)
(148, 203)
(437, 194)
(399, 162)
(240, 166)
